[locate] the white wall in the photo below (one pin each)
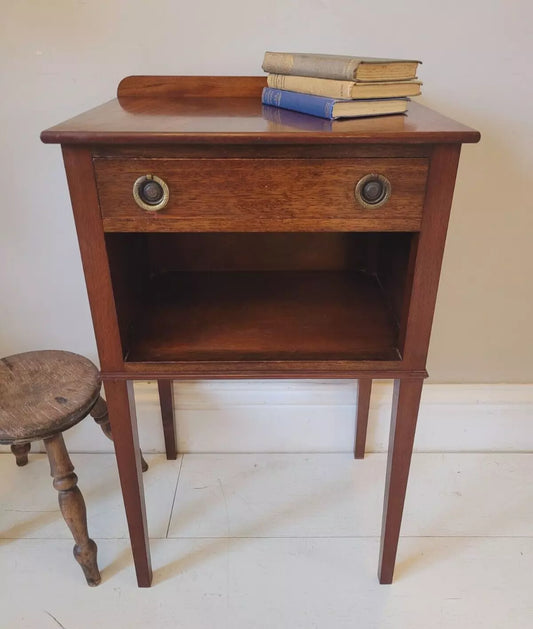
(60, 57)
(319, 416)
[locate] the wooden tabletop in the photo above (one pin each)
(228, 110)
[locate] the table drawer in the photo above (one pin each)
(263, 194)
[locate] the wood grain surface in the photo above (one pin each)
(427, 257)
(164, 308)
(44, 392)
(364, 390)
(405, 404)
(265, 316)
(251, 369)
(119, 395)
(173, 87)
(261, 194)
(166, 399)
(72, 507)
(220, 110)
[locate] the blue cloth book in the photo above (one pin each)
(332, 108)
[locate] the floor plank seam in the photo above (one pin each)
(174, 497)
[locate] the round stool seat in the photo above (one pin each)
(43, 393)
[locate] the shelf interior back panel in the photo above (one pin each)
(272, 315)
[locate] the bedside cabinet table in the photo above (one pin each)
(225, 239)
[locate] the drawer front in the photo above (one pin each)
(262, 194)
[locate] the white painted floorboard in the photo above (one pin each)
(275, 541)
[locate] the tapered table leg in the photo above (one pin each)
(364, 388)
(166, 399)
(405, 404)
(121, 406)
(101, 416)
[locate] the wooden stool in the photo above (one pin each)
(42, 394)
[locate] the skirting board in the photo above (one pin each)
(319, 416)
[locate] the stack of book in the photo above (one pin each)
(338, 86)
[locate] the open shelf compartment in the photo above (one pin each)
(260, 297)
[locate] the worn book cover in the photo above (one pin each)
(332, 108)
(341, 67)
(333, 88)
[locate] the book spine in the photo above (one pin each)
(304, 103)
(311, 85)
(301, 64)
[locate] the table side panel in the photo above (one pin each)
(428, 255)
(84, 199)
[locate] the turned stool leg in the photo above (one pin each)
(20, 450)
(72, 506)
(101, 417)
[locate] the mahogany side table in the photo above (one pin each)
(225, 239)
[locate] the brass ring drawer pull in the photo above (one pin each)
(373, 190)
(150, 193)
